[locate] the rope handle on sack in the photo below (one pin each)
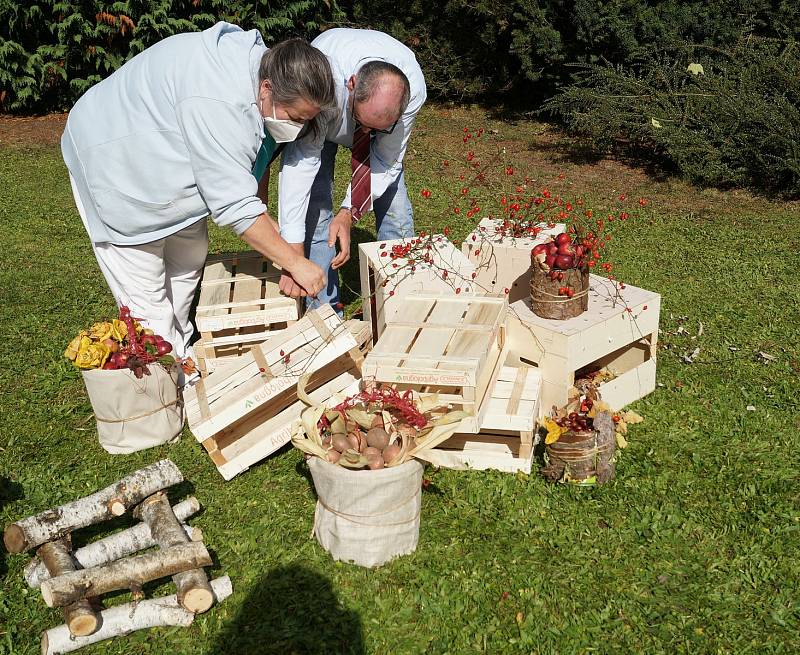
(134, 418)
(344, 515)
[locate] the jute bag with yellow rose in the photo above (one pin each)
(133, 414)
(132, 383)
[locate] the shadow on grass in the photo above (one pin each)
(292, 610)
(9, 492)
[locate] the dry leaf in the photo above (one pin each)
(631, 417)
(621, 442)
(554, 431)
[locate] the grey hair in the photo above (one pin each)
(369, 77)
(296, 70)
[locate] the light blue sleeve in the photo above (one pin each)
(299, 166)
(218, 136)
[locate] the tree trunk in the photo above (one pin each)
(124, 619)
(548, 303)
(194, 592)
(129, 573)
(105, 504)
(80, 617)
(117, 545)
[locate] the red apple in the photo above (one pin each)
(550, 261)
(120, 359)
(552, 248)
(578, 251)
(564, 262)
(110, 365)
(566, 249)
(563, 238)
(163, 347)
(148, 338)
(539, 249)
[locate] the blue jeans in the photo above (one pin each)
(393, 215)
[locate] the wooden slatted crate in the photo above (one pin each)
(450, 345)
(240, 306)
(264, 431)
(503, 262)
(386, 281)
(619, 332)
(268, 374)
(506, 439)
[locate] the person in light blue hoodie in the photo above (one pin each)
(183, 131)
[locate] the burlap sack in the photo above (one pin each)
(135, 413)
(367, 517)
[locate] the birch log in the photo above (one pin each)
(124, 619)
(80, 617)
(194, 592)
(105, 504)
(116, 546)
(129, 573)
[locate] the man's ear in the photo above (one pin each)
(351, 83)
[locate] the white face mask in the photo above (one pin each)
(282, 130)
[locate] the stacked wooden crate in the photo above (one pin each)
(432, 264)
(508, 428)
(502, 262)
(447, 344)
(244, 410)
(240, 305)
(619, 332)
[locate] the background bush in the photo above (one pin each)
(722, 116)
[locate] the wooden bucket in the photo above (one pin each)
(580, 457)
(545, 300)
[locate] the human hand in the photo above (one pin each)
(340, 230)
(307, 275)
(289, 287)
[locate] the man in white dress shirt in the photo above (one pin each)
(382, 100)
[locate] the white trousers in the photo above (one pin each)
(156, 280)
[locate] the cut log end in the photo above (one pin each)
(14, 539)
(85, 623)
(198, 600)
(116, 507)
(195, 534)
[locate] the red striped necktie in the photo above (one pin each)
(360, 189)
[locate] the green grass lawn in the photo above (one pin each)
(693, 548)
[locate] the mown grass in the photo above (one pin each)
(693, 547)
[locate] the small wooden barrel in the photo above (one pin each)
(580, 457)
(545, 300)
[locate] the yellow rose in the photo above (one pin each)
(92, 355)
(100, 331)
(74, 346)
(119, 330)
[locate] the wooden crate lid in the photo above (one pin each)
(243, 384)
(438, 336)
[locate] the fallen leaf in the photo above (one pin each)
(554, 431)
(655, 123)
(689, 358)
(695, 69)
(766, 356)
(751, 408)
(621, 442)
(700, 330)
(631, 417)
